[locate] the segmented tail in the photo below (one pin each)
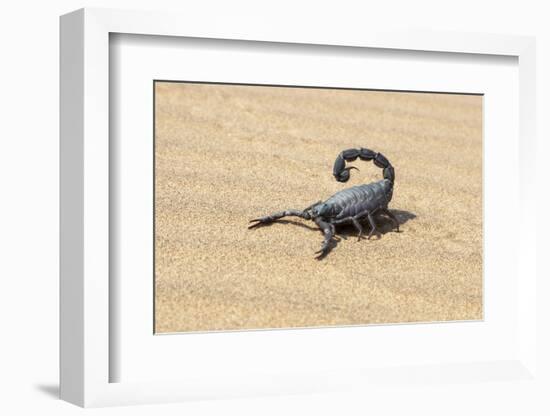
(341, 172)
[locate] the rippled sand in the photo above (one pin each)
(226, 154)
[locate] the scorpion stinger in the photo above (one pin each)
(351, 205)
(341, 172)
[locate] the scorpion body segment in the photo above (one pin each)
(351, 205)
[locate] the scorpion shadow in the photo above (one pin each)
(383, 226)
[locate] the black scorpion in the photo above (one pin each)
(351, 205)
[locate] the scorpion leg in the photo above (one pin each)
(358, 226)
(372, 224)
(388, 213)
(328, 231)
(355, 221)
(278, 215)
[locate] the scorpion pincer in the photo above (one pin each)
(351, 205)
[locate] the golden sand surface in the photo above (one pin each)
(225, 154)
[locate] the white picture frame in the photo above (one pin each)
(85, 168)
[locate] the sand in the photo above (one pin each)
(226, 154)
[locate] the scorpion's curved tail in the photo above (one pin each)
(341, 173)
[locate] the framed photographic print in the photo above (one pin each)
(266, 213)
